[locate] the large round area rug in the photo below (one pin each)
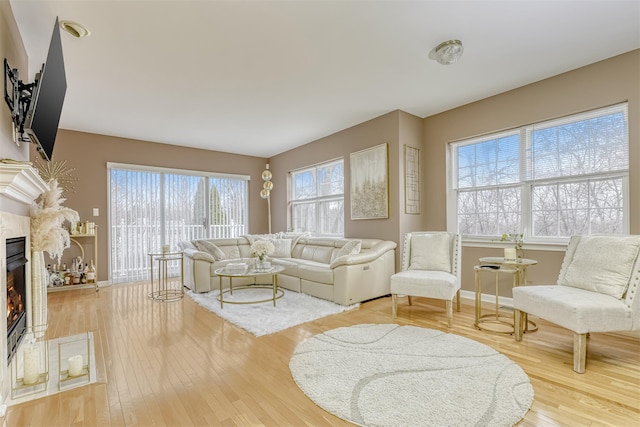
(392, 375)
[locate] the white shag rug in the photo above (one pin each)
(392, 375)
(263, 318)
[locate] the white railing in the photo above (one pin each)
(131, 245)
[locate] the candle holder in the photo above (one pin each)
(29, 353)
(74, 361)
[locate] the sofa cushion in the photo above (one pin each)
(352, 247)
(602, 264)
(209, 247)
(430, 252)
(315, 272)
(290, 265)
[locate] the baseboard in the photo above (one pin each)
(469, 297)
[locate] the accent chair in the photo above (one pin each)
(430, 269)
(597, 291)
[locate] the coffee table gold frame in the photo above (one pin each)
(273, 271)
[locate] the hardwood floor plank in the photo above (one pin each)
(174, 364)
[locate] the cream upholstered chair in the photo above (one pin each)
(430, 268)
(597, 291)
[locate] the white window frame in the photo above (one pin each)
(315, 200)
(526, 185)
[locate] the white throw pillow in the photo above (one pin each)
(352, 247)
(430, 252)
(281, 248)
(210, 248)
(602, 264)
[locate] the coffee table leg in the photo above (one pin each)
(220, 294)
(274, 283)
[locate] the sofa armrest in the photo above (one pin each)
(198, 255)
(367, 255)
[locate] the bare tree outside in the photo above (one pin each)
(573, 178)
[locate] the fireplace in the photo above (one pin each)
(16, 293)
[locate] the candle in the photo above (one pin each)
(165, 249)
(75, 366)
(509, 254)
(31, 368)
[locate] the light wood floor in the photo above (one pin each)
(178, 364)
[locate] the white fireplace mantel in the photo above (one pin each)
(21, 182)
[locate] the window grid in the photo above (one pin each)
(316, 199)
(572, 178)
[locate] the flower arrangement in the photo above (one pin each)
(47, 217)
(261, 248)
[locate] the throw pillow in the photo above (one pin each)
(352, 247)
(430, 252)
(602, 264)
(210, 248)
(281, 248)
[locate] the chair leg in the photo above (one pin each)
(449, 313)
(458, 300)
(410, 302)
(579, 352)
(517, 324)
(394, 305)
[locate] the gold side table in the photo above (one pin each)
(500, 321)
(167, 288)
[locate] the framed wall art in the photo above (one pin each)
(411, 180)
(370, 183)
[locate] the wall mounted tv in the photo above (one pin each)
(43, 116)
(36, 107)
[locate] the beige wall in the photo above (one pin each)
(89, 154)
(396, 129)
(604, 83)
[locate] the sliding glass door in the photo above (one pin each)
(152, 207)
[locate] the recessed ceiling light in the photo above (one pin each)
(75, 29)
(448, 52)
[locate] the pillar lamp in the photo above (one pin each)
(265, 193)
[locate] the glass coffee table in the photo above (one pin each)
(251, 272)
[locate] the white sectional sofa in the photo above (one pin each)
(342, 270)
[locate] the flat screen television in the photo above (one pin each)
(43, 116)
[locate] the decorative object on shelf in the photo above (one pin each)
(47, 234)
(370, 183)
(29, 361)
(512, 254)
(260, 249)
(265, 193)
(447, 53)
(59, 171)
(47, 219)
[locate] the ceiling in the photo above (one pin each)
(262, 77)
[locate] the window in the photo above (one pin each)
(317, 198)
(548, 180)
(152, 207)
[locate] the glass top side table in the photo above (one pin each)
(168, 286)
(499, 321)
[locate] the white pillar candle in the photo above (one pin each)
(165, 249)
(31, 368)
(509, 254)
(75, 365)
